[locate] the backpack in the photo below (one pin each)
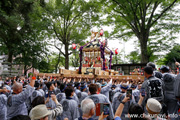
(177, 87)
(155, 89)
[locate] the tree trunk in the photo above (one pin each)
(25, 70)
(10, 55)
(66, 56)
(144, 52)
(56, 66)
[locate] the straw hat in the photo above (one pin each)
(38, 112)
(153, 106)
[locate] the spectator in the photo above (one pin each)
(55, 112)
(50, 104)
(135, 92)
(57, 88)
(169, 94)
(137, 110)
(74, 95)
(7, 84)
(118, 97)
(21, 117)
(77, 87)
(112, 92)
(70, 106)
(35, 94)
(88, 108)
(134, 109)
(41, 89)
(40, 112)
(105, 88)
(82, 95)
(60, 96)
(16, 101)
(1, 81)
(38, 89)
(37, 101)
(155, 72)
(154, 108)
(139, 86)
(3, 108)
(99, 98)
(153, 86)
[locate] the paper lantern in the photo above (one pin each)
(101, 32)
(116, 51)
(74, 46)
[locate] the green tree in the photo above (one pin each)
(74, 59)
(118, 59)
(153, 22)
(171, 57)
(22, 34)
(14, 24)
(45, 67)
(134, 57)
(70, 21)
(51, 63)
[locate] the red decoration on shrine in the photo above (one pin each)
(116, 51)
(101, 32)
(99, 58)
(86, 59)
(104, 42)
(74, 46)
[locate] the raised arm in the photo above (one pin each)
(59, 109)
(121, 107)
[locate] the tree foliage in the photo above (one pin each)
(153, 22)
(51, 64)
(118, 59)
(14, 25)
(21, 34)
(69, 22)
(134, 57)
(171, 57)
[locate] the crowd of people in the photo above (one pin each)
(155, 98)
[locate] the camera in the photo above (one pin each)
(129, 93)
(102, 107)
